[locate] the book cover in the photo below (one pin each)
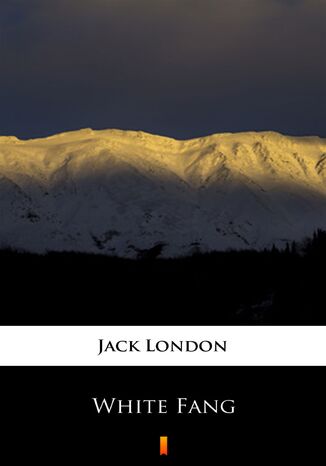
(162, 185)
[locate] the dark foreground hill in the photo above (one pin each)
(249, 287)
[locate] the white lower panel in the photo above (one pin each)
(170, 346)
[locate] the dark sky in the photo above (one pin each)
(183, 68)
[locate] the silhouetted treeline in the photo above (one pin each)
(234, 287)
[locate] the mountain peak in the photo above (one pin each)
(120, 192)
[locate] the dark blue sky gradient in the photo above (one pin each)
(182, 68)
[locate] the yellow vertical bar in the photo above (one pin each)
(163, 446)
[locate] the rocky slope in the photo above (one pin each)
(122, 192)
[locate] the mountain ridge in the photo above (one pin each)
(120, 192)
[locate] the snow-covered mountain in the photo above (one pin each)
(120, 192)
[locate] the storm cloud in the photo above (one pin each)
(177, 67)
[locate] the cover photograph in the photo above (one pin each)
(162, 153)
(162, 171)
